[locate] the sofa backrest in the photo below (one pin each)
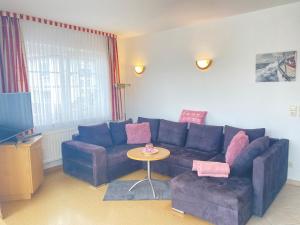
(172, 132)
(205, 137)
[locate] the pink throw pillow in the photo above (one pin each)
(138, 133)
(236, 146)
(189, 116)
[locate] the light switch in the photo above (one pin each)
(293, 110)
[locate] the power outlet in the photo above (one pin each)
(293, 110)
(290, 164)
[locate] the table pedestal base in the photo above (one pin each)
(147, 178)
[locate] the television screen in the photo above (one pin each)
(15, 114)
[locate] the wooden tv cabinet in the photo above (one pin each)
(1, 214)
(21, 169)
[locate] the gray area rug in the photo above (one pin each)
(118, 191)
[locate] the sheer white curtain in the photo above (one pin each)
(68, 75)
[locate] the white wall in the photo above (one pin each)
(228, 90)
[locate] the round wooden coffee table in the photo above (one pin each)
(137, 154)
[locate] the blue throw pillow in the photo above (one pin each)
(243, 164)
(230, 132)
(154, 126)
(96, 134)
(205, 137)
(172, 132)
(118, 131)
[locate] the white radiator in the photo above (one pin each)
(52, 146)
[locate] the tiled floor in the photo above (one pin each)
(63, 200)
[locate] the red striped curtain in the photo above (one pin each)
(117, 105)
(13, 73)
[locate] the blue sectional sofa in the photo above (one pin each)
(98, 155)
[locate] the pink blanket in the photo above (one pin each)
(211, 169)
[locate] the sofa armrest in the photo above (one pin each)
(269, 175)
(94, 154)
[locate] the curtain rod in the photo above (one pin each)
(55, 23)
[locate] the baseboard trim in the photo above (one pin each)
(53, 166)
(293, 182)
(53, 169)
(55, 163)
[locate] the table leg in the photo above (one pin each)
(148, 178)
(140, 181)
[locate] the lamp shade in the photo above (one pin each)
(203, 64)
(139, 69)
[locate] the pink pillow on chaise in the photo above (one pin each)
(190, 116)
(211, 169)
(138, 133)
(236, 146)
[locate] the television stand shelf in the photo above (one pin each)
(21, 169)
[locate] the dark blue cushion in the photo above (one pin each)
(205, 137)
(154, 126)
(243, 164)
(231, 131)
(172, 132)
(96, 134)
(118, 131)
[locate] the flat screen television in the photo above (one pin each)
(15, 115)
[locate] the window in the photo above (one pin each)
(68, 76)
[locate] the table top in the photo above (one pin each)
(137, 154)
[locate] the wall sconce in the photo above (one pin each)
(203, 64)
(139, 69)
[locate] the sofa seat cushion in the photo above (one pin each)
(118, 154)
(184, 157)
(205, 137)
(231, 193)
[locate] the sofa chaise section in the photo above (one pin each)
(268, 176)
(219, 200)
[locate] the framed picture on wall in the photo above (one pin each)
(276, 67)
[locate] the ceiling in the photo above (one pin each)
(135, 17)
